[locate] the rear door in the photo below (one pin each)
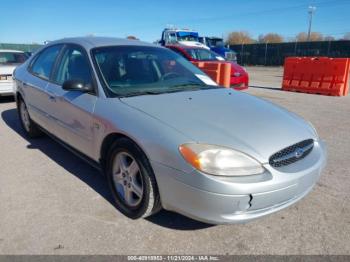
(72, 111)
(35, 83)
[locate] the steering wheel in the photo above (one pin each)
(169, 75)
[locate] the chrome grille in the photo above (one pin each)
(292, 153)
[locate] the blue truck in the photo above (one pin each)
(216, 44)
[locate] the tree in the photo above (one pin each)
(347, 36)
(314, 36)
(271, 38)
(301, 37)
(239, 37)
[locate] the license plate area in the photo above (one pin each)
(272, 198)
(6, 77)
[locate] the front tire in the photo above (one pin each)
(131, 180)
(31, 129)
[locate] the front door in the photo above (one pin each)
(72, 111)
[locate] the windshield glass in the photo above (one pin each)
(202, 54)
(12, 58)
(187, 36)
(139, 70)
(215, 42)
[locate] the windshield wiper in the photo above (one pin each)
(188, 84)
(195, 86)
(173, 89)
(141, 93)
(157, 92)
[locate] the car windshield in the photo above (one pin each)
(12, 58)
(215, 42)
(202, 54)
(187, 36)
(140, 70)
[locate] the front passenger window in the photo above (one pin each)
(74, 66)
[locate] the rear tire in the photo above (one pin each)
(131, 180)
(30, 127)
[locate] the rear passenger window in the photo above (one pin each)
(43, 64)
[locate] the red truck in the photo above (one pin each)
(239, 76)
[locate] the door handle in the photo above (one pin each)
(52, 98)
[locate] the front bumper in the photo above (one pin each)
(220, 201)
(6, 88)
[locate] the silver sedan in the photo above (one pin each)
(164, 134)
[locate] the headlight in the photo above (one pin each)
(220, 161)
(236, 74)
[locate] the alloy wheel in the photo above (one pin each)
(127, 179)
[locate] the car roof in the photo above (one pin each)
(10, 50)
(180, 30)
(90, 42)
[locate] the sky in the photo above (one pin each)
(28, 21)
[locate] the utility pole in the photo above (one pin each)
(311, 12)
(295, 47)
(242, 54)
(266, 52)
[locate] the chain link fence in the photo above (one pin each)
(258, 54)
(274, 54)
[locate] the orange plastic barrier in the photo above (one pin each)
(317, 75)
(220, 72)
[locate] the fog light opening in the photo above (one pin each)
(243, 206)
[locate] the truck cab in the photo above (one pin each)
(216, 44)
(181, 36)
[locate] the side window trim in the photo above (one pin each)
(56, 64)
(32, 62)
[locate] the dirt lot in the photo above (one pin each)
(51, 202)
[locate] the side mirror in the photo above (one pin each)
(76, 85)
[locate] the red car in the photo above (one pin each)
(239, 76)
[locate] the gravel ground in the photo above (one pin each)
(51, 202)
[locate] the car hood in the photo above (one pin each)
(227, 118)
(237, 68)
(193, 43)
(7, 69)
